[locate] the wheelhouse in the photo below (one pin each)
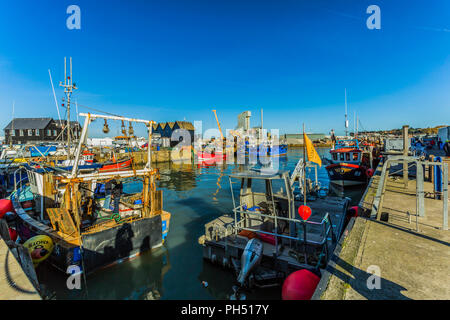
(348, 155)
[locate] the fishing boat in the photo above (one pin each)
(211, 154)
(116, 165)
(72, 209)
(263, 239)
(277, 150)
(349, 164)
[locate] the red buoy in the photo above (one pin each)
(13, 234)
(304, 212)
(5, 206)
(300, 285)
(353, 211)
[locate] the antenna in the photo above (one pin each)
(76, 108)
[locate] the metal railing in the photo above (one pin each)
(377, 204)
(325, 223)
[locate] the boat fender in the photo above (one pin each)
(40, 248)
(300, 285)
(353, 211)
(12, 234)
(10, 217)
(6, 205)
(369, 172)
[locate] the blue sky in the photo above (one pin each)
(175, 60)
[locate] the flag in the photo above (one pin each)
(311, 152)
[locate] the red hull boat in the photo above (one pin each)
(116, 166)
(211, 156)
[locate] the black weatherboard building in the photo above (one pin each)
(38, 130)
(167, 129)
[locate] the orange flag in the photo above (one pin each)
(311, 152)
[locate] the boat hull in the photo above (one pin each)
(213, 157)
(104, 248)
(118, 166)
(347, 174)
(278, 151)
(101, 248)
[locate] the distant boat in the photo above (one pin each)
(116, 166)
(348, 166)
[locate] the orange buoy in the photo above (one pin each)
(5, 206)
(300, 285)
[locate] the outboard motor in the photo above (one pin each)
(251, 257)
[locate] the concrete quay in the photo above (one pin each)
(411, 253)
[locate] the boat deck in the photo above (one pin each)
(221, 245)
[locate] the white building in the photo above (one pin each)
(444, 133)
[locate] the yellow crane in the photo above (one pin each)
(218, 124)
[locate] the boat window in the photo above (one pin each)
(355, 156)
(347, 156)
(335, 156)
(341, 156)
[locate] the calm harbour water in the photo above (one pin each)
(194, 195)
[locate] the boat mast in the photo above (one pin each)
(304, 166)
(12, 126)
(261, 124)
(68, 88)
(346, 120)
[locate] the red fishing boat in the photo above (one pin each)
(211, 156)
(116, 166)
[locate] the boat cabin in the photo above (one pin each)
(349, 151)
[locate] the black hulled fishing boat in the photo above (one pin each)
(349, 164)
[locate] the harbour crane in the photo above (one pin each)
(218, 124)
